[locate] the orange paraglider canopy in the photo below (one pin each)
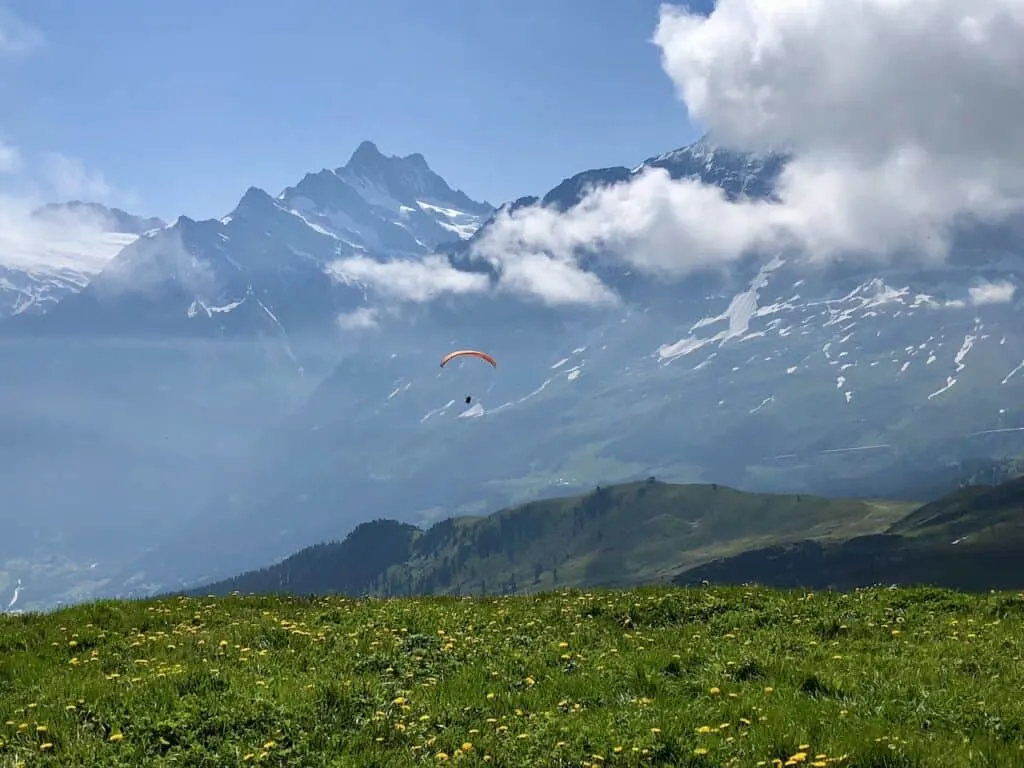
(468, 353)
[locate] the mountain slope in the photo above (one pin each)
(857, 379)
(850, 380)
(129, 405)
(614, 536)
(970, 539)
(62, 247)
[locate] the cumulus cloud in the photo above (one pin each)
(409, 280)
(10, 158)
(554, 281)
(363, 318)
(999, 292)
(900, 119)
(17, 37)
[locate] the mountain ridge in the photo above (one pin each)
(864, 379)
(619, 535)
(525, 548)
(385, 206)
(772, 377)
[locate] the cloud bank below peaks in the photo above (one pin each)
(900, 120)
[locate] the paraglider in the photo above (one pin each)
(468, 353)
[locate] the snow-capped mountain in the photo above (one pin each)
(851, 380)
(263, 268)
(57, 249)
(854, 380)
(130, 403)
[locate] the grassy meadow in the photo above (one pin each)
(671, 677)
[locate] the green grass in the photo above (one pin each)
(702, 677)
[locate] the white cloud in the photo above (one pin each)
(17, 37)
(10, 158)
(418, 280)
(69, 179)
(554, 281)
(900, 118)
(155, 259)
(62, 239)
(363, 318)
(69, 240)
(999, 292)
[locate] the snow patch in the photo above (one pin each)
(962, 352)
(474, 411)
(1012, 373)
(742, 308)
(950, 381)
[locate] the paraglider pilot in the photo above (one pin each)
(468, 353)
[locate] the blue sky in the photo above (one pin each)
(183, 105)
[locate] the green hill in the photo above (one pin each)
(971, 539)
(636, 533)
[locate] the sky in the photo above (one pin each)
(901, 121)
(900, 118)
(171, 108)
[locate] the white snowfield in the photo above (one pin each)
(39, 270)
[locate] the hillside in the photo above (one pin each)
(971, 539)
(843, 381)
(620, 535)
(665, 677)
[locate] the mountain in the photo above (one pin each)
(857, 379)
(622, 535)
(131, 403)
(971, 539)
(112, 219)
(63, 246)
(263, 270)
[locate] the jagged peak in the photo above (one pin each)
(368, 157)
(367, 151)
(254, 200)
